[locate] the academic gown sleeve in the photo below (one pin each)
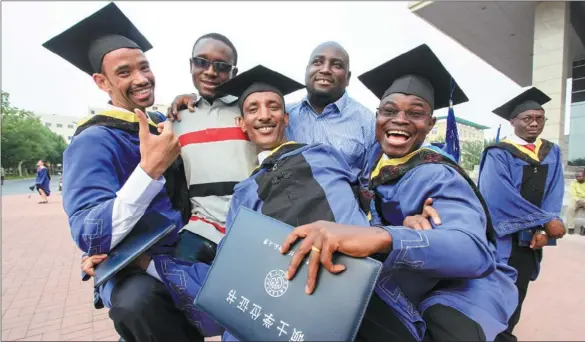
(509, 211)
(99, 215)
(458, 247)
(553, 198)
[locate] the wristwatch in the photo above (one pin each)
(540, 231)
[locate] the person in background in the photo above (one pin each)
(577, 201)
(43, 182)
(439, 284)
(3, 174)
(521, 179)
(327, 114)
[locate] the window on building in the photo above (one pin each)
(59, 125)
(154, 108)
(70, 126)
(69, 138)
(47, 124)
(434, 131)
(92, 112)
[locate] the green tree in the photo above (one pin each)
(577, 162)
(471, 154)
(25, 139)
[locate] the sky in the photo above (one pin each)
(280, 35)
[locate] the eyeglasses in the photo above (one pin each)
(392, 113)
(218, 66)
(528, 119)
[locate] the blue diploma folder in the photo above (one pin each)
(247, 293)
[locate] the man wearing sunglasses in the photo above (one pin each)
(327, 115)
(215, 152)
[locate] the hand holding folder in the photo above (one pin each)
(246, 290)
(151, 228)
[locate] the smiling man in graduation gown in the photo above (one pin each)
(115, 169)
(295, 183)
(521, 179)
(442, 284)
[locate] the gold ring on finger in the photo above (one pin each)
(316, 249)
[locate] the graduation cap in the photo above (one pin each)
(417, 72)
(259, 79)
(86, 43)
(531, 99)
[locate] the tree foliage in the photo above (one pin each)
(25, 139)
(577, 162)
(471, 154)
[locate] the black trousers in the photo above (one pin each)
(524, 260)
(143, 310)
(443, 324)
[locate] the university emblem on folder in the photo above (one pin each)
(275, 283)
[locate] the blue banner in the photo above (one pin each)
(451, 136)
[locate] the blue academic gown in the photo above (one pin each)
(453, 264)
(501, 180)
(98, 162)
(42, 181)
(300, 184)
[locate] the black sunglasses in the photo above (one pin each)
(218, 66)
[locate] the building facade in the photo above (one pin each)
(577, 126)
(531, 42)
(467, 130)
(154, 108)
(62, 125)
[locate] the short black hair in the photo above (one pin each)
(221, 38)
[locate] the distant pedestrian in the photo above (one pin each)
(43, 181)
(577, 201)
(3, 174)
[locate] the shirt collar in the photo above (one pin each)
(227, 100)
(340, 104)
(517, 140)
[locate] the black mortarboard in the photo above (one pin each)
(86, 43)
(259, 79)
(530, 99)
(417, 72)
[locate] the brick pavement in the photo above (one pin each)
(43, 297)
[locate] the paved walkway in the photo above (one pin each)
(43, 297)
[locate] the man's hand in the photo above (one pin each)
(421, 222)
(179, 103)
(322, 239)
(157, 152)
(555, 229)
(88, 263)
(539, 240)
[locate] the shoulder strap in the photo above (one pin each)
(116, 120)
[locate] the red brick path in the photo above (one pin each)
(43, 297)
